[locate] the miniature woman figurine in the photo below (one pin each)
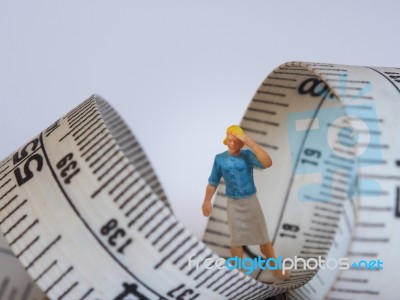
(246, 221)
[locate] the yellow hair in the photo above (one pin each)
(233, 129)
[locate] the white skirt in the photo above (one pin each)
(246, 221)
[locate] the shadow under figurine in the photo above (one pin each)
(246, 220)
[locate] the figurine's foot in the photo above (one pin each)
(278, 274)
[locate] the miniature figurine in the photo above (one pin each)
(246, 221)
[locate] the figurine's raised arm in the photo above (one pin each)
(260, 153)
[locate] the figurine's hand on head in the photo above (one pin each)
(207, 209)
(242, 137)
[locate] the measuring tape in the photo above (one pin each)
(83, 212)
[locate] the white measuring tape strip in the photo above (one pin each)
(83, 211)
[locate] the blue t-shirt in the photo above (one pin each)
(237, 172)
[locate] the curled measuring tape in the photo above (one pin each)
(84, 213)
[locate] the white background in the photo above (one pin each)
(179, 72)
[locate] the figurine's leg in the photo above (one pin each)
(269, 252)
(237, 251)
